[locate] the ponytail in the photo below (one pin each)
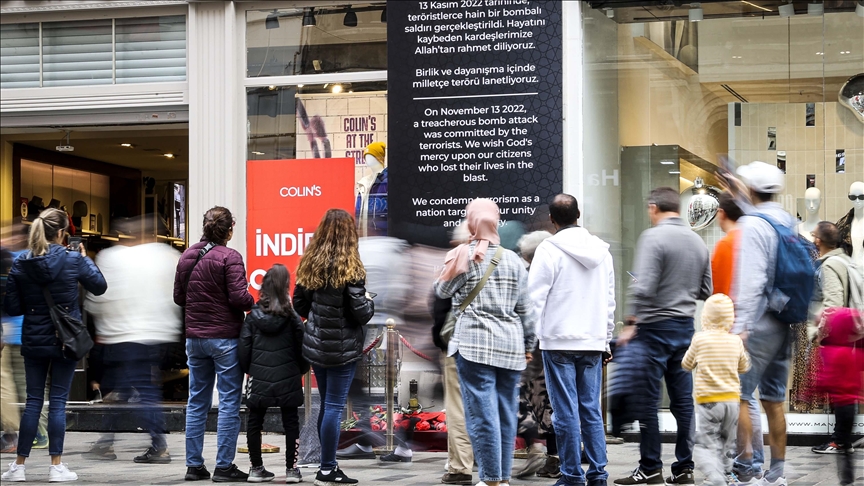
(45, 229)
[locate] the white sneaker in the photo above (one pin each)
(15, 473)
(60, 473)
(778, 482)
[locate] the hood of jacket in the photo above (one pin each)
(269, 324)
(44, 269)
(838, 252)
(580, 245)
(841, 327)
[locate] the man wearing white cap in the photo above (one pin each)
(767, 339)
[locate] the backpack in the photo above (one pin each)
(789, 299)
(855, 285)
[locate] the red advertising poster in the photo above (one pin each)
(286, 200)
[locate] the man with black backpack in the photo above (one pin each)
(772, 290)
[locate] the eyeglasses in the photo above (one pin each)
(859, 197)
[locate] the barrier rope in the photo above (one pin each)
(414, 350)
(373, 344)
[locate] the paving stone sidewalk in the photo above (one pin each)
(803, 467)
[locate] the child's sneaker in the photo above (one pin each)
(292, 475)
(258, 474)
(15, 473)
(60, 473)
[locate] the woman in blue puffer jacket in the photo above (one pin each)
(47, 264)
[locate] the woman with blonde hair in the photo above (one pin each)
(47, 267)
(331, 296)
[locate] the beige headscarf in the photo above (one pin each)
(482, 219)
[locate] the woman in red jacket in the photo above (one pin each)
(211, 284)
(842, 353)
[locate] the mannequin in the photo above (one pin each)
(371, 208)
(812, 202)
(851, 226)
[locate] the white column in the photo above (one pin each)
(217, 115)
(571, 16)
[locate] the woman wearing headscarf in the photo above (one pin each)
(492, 340)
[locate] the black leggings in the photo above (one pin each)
(291, 425)
(845, 417)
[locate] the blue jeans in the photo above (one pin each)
(127, 366)
(573, 380)
(209, 359)
(333, 385)
(491, 398)
(35, 373)
(662, 345)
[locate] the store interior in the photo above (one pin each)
(116, 182)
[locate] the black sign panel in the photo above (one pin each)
(474, 106)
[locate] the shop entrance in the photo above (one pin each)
(119, 185)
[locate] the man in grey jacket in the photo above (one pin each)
(767, 339)
(672, 272)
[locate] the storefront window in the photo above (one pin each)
(283, 42)
(672, 91)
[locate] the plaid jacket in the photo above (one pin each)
(497, 328)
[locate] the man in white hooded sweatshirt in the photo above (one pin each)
(573, 270)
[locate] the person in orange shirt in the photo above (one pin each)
(723, 260)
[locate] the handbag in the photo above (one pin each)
(72, 332)
(449, 326)
(203, 251)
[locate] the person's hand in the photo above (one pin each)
(607, 357)
(744, 335)
(626, 334)
(529, 357)
(82, 250)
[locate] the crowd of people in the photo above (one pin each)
(525, 337)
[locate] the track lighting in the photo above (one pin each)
(695, 14)
(786, 10)
(350, 19)
(309, 18)
(272, 21)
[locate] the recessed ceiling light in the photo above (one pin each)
(170, 156)
(257, 152)
(271, 87)
(667, 162)
(127, 145)
(299, 85)
(674, 171)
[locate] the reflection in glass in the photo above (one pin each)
(292, 41)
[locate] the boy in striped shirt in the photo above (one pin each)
(717, 357)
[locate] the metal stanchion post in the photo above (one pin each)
(390, 377)
(307, 396)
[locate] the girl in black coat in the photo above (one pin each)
(270, 353)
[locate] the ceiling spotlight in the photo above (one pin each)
(271, 87)
(815, 9)
(667, 162)
(786, 10)
(695, 13)
(272, 21)
(169, 155)
(674, 171)
(337, 88)
(309, 18)
(610, 13)
(859, 9)
(350, 19)
(299, 85)
(257, 152)
(127, 145)
(384, 16)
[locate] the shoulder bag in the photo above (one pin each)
(73, 334)
(450, 325)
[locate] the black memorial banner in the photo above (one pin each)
(475, 110)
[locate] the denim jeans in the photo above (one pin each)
(35, 373)
(662, 345)
(209, 359)
(491, 399)
(333, 385)
(573, 380)
(127, 366)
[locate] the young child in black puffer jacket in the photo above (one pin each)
(271, 354)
